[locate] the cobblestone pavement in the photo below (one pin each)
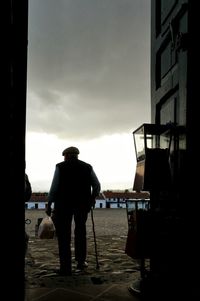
(114, 265)
(108, 222)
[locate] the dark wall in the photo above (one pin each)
(174, 99)
(13, 94)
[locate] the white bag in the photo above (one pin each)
(46, 228)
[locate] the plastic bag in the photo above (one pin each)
(46, 228)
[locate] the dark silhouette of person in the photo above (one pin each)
(73, 191)
(27, 196)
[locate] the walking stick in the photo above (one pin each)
(95, 243)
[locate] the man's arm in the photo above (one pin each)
(53, 191)
(96, 187)
(28, 188)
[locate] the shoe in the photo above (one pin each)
(81, 266)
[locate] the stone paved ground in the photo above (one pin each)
(114, 265)
(108, 222)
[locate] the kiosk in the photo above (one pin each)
(153, 174)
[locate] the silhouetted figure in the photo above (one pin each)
(73, 191)
(27, 196)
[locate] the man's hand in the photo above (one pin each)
(93, 202)
(90, 204)
(48, 211)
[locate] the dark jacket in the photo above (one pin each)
(28, 189)
(76, 187)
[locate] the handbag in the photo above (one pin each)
(46, 228)
(138, 242)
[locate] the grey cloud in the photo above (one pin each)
(88, 66)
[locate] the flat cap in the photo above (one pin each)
(71, 150)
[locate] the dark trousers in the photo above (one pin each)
(63, 224)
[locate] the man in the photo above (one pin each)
(73, 191)
(27, 196)
(28, 189)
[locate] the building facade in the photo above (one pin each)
(174, 98)
(106, 199)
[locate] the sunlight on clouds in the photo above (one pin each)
(112, 157)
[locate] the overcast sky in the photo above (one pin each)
(88, 85)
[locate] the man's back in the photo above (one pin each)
(74, 182)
